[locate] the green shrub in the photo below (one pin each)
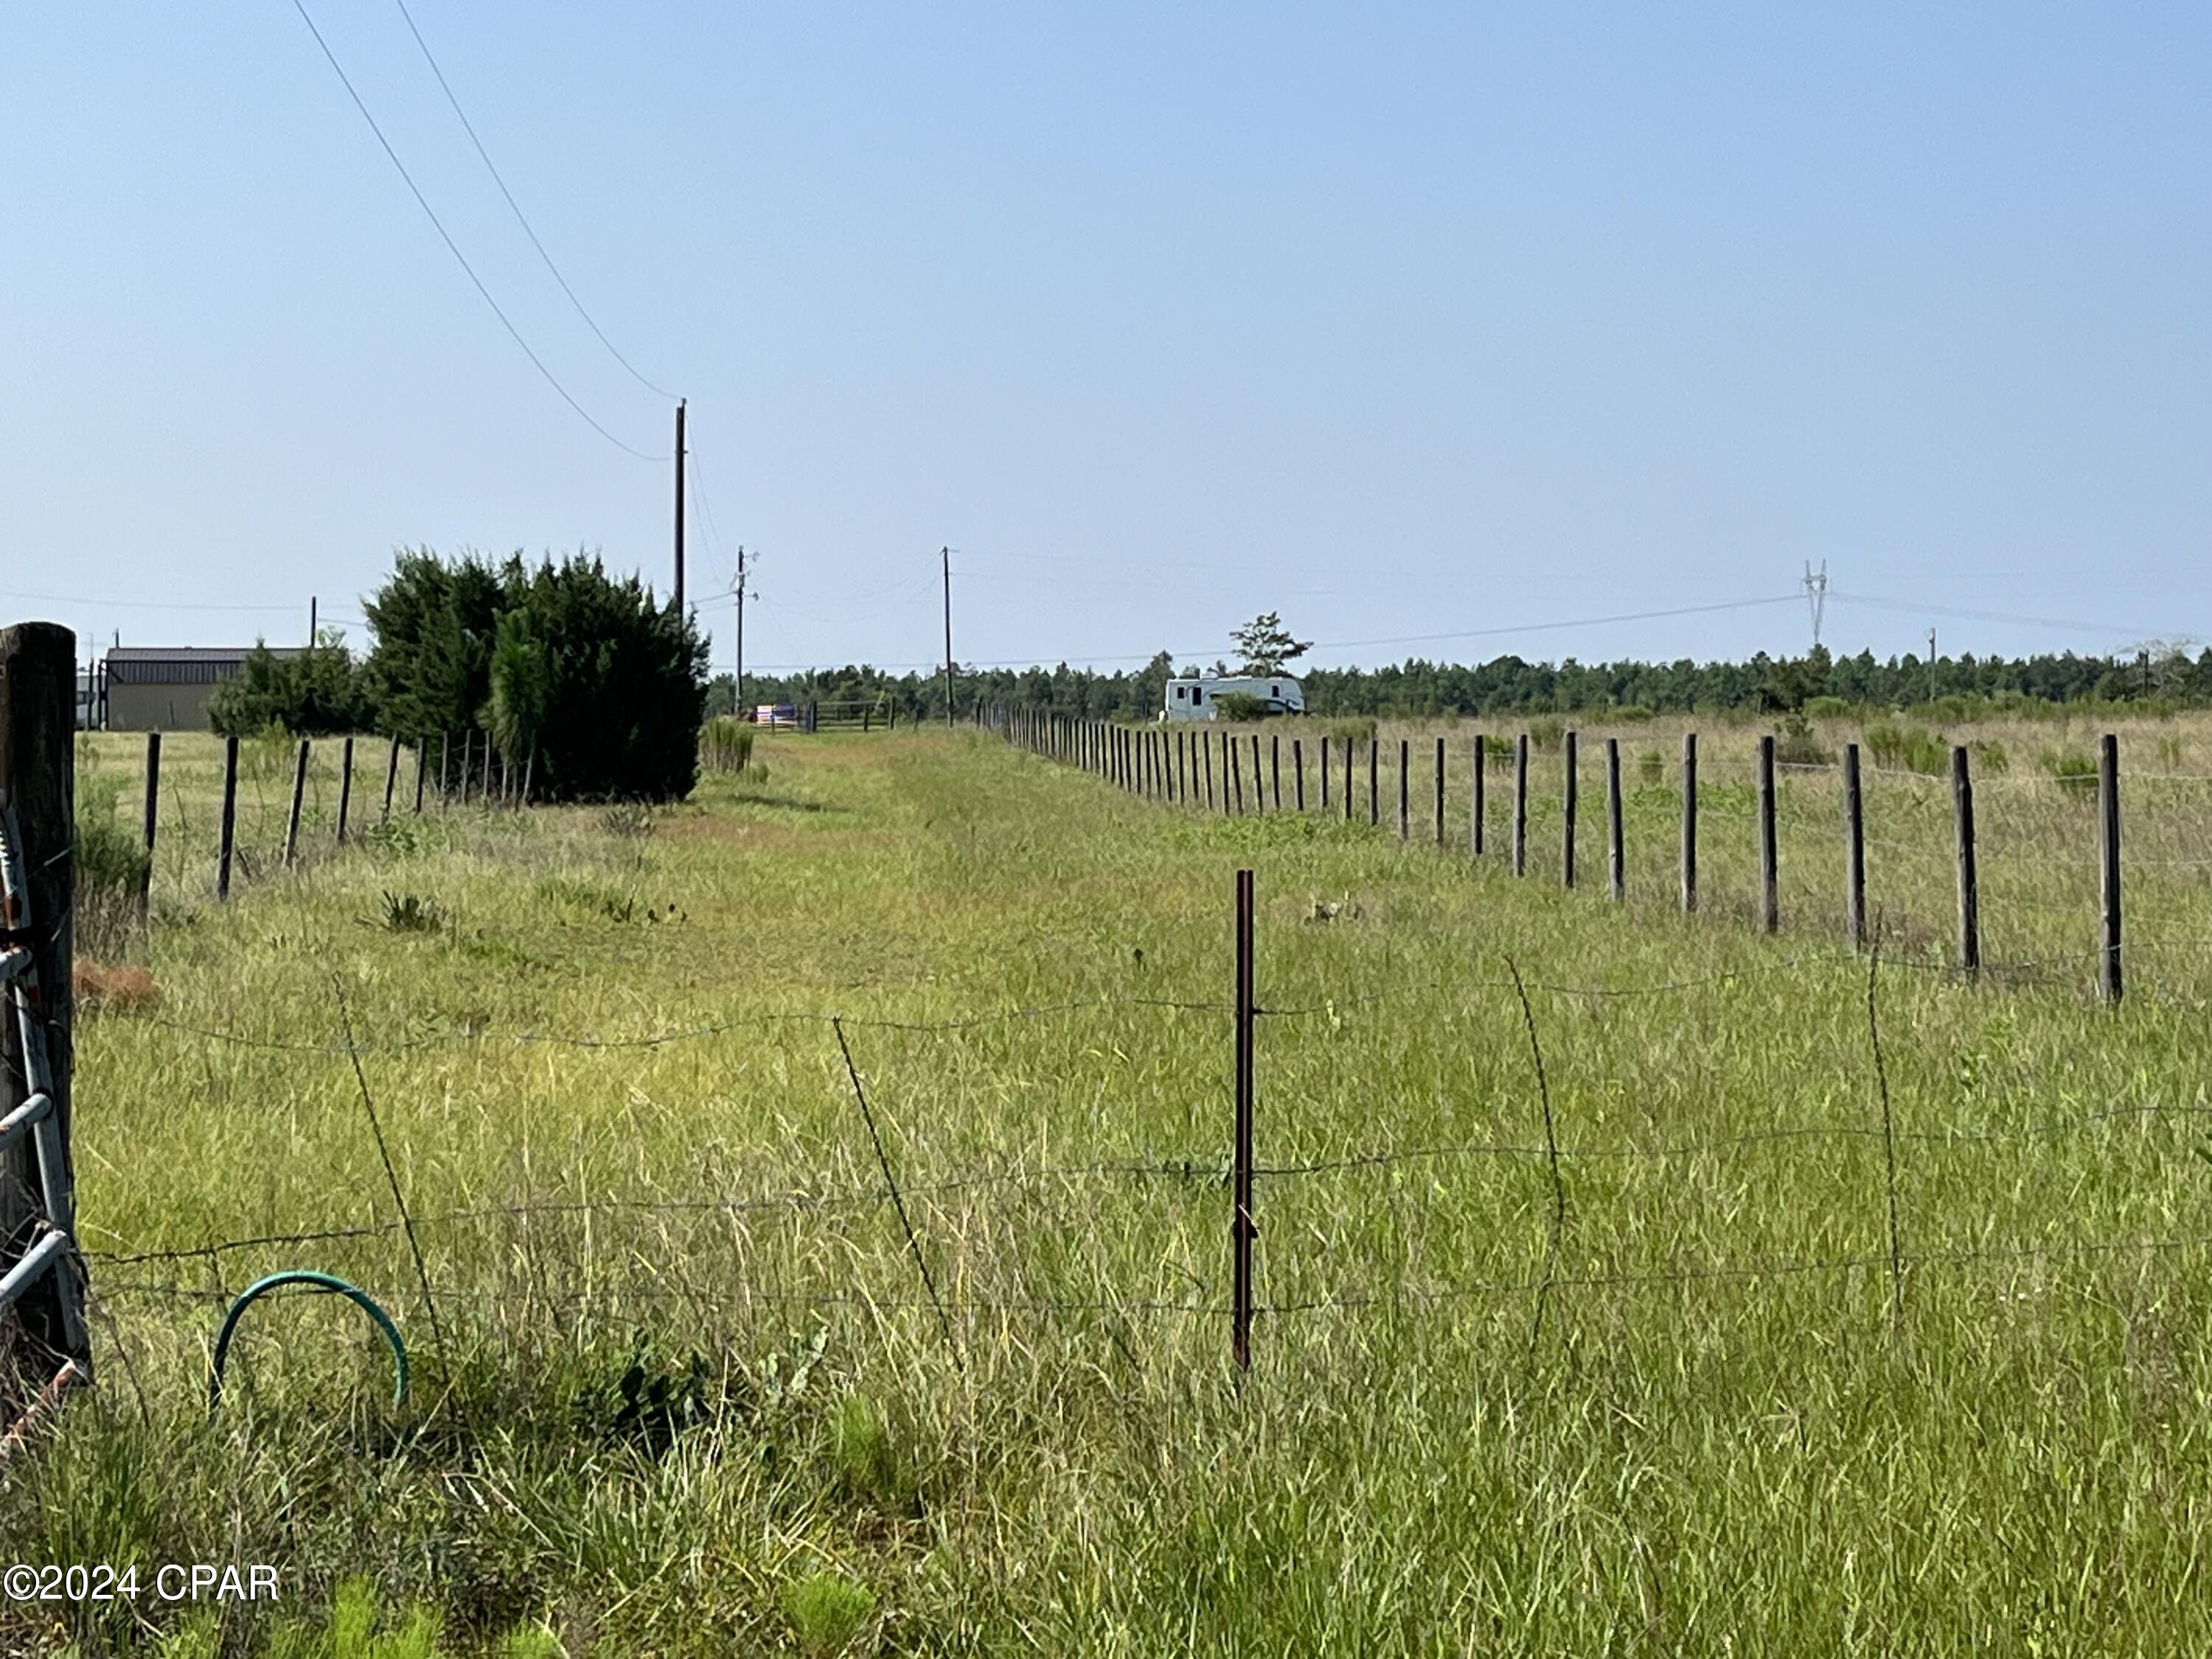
(1826, 709)
(1497, 750)
(826, 1611)
(726, 744)
(1359, 730)
(1548, 735)
(313, 693)
(1631, 714)
(2169, 750)
(111, 865)
(870, 1464)
(1651, 767)
(1239, 706)
(1796, 745)
(2075, 771)
(1896, 747)
(1988, 755)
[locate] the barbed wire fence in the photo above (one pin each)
(1232, 1169)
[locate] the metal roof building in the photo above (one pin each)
(166, 688)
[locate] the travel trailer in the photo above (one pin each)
(1193, 699)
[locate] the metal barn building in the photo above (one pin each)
(166, 688)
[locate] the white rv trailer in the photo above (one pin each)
(1193, 698)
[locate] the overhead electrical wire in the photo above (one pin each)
(1968, 615)
(454, 247)
(520, 217)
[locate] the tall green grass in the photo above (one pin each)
(693, 1395)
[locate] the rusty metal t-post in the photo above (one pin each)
(1241, 1230)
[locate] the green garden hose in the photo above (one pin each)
(321, 1281)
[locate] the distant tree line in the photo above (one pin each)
(1511, 685)
(581, 676)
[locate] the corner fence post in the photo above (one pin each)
(37, 896)
(1241, 1228)
(1769, 880)
(1970, 902)
(2108, 865)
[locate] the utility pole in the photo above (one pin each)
(1931, 665)
(1816, 596)
(679, 510)
(311, 619)
(740, 708)
(946, 554)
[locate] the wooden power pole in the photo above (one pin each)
(679, 510)
(946, 554)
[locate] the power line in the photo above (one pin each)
(452, 246)
(1912, 609)
(140, 604)
(520, 218)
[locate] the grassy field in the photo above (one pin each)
(680, 1387)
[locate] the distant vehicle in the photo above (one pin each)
(775, 714)
(1193, 699)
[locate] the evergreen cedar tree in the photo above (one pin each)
(598, 687)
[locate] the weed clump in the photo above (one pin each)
(1901, 748)
(2075, 771)
(826, 1611)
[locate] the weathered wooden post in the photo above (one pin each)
(2108, 865)
(299, 795)
(345, 784)
(1440, 794)
(38, 808)
(1854, 851)
(422, 754)
(1569, 800)
(1616, 864)
(1521, 805)
(1374, 782)
(1405, 792)
(229, 832)
(1689, 822)
(1478, 763)
(390, 776)
(1970, 903)
(1770, 879)
(152, 811)
(1298, 770)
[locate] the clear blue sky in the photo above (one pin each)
(1402, 320)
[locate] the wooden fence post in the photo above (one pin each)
(1970, 905)
(1477, 766)
(229, 832)
(1347, 779)
(1689, 822)
(445, 768)
(1770, 876)
(1259, 786)
(1298, 769)
(1275, 767)
(1616, 863)
(1440, 793)
(1205, 754)
(422, 751)
(1236, 772)
(1322, 751)
(299, 795)
(37, 787)
(345, 784)
(1405, 792)
(1854, 851)
(1240, 1225)
(390, 776)
(1569, 802)
(153, 808)
(2108, 865)
(1521, 805)
(1374, 782)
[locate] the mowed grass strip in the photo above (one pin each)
(691, 1364)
